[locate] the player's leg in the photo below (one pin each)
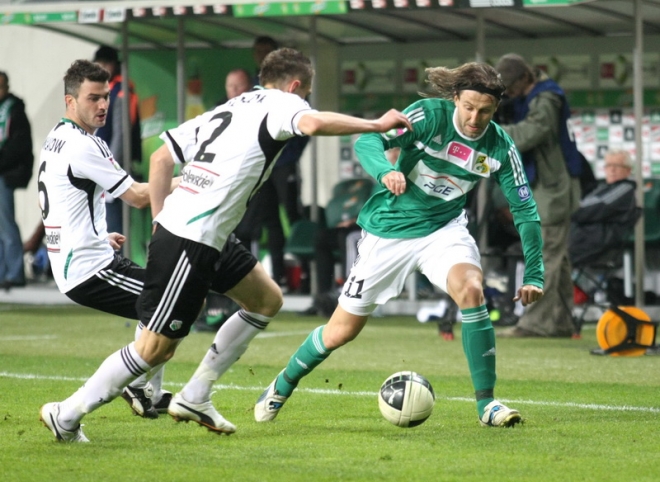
(177, 278)
(260, 299)
(451, 262)
(378, 275)
(242, 278)
(115, 289)
(117, 371)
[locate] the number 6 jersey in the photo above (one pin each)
(75, 169)
(229, 152)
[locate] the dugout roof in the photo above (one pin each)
(155, 24)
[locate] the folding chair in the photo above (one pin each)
(593, 272)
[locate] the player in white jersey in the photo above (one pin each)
(76, 169)
(229, 152)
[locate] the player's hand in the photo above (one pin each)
(395, 181)
(393, 119)
(528, 294)
(116, 240)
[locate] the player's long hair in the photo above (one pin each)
(447, 83)
(285, 64)
(80, 71)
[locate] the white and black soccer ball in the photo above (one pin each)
(406, 399)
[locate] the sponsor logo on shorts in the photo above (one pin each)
(524, 193)
(175, 325)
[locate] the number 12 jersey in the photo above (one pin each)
(228, 153)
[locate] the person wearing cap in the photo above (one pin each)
(113, 133)
(416, 222)
(537, 124)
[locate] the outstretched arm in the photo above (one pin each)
(334, 124)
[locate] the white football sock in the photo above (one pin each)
(230, 342)
(117, 371)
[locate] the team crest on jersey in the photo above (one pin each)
(481, 164)
(175, 325)
(524, 193)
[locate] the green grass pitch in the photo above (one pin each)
(587, 418)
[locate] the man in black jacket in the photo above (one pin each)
(607, 214)
(16, 161)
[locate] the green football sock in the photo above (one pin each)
(479, 347)
(310, 355)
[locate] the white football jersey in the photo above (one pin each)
(229, 152)
(75, 169)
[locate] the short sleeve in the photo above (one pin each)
(181, 141)
(284, 117)
(95, 162)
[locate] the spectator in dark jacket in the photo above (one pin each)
(16, 160)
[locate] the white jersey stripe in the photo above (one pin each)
(174, 287)
(416, 117)
(517, 167)
(115, 279)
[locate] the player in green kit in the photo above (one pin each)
(417, 222)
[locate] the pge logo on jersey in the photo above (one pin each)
(524, 193)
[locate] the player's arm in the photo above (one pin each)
(514, 185)
(335, 124)
(161, 183)
(116, 240)
(370, 150)
(137, 195)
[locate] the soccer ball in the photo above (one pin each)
(406, 399)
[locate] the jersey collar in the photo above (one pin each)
(64, 119)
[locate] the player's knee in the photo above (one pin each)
(273, 302)
(470, 295)
(268, 301)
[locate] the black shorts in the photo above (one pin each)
(180, 273)
(113, 289)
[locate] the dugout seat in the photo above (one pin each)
(300, 242)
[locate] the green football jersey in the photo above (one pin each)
(441, 166)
